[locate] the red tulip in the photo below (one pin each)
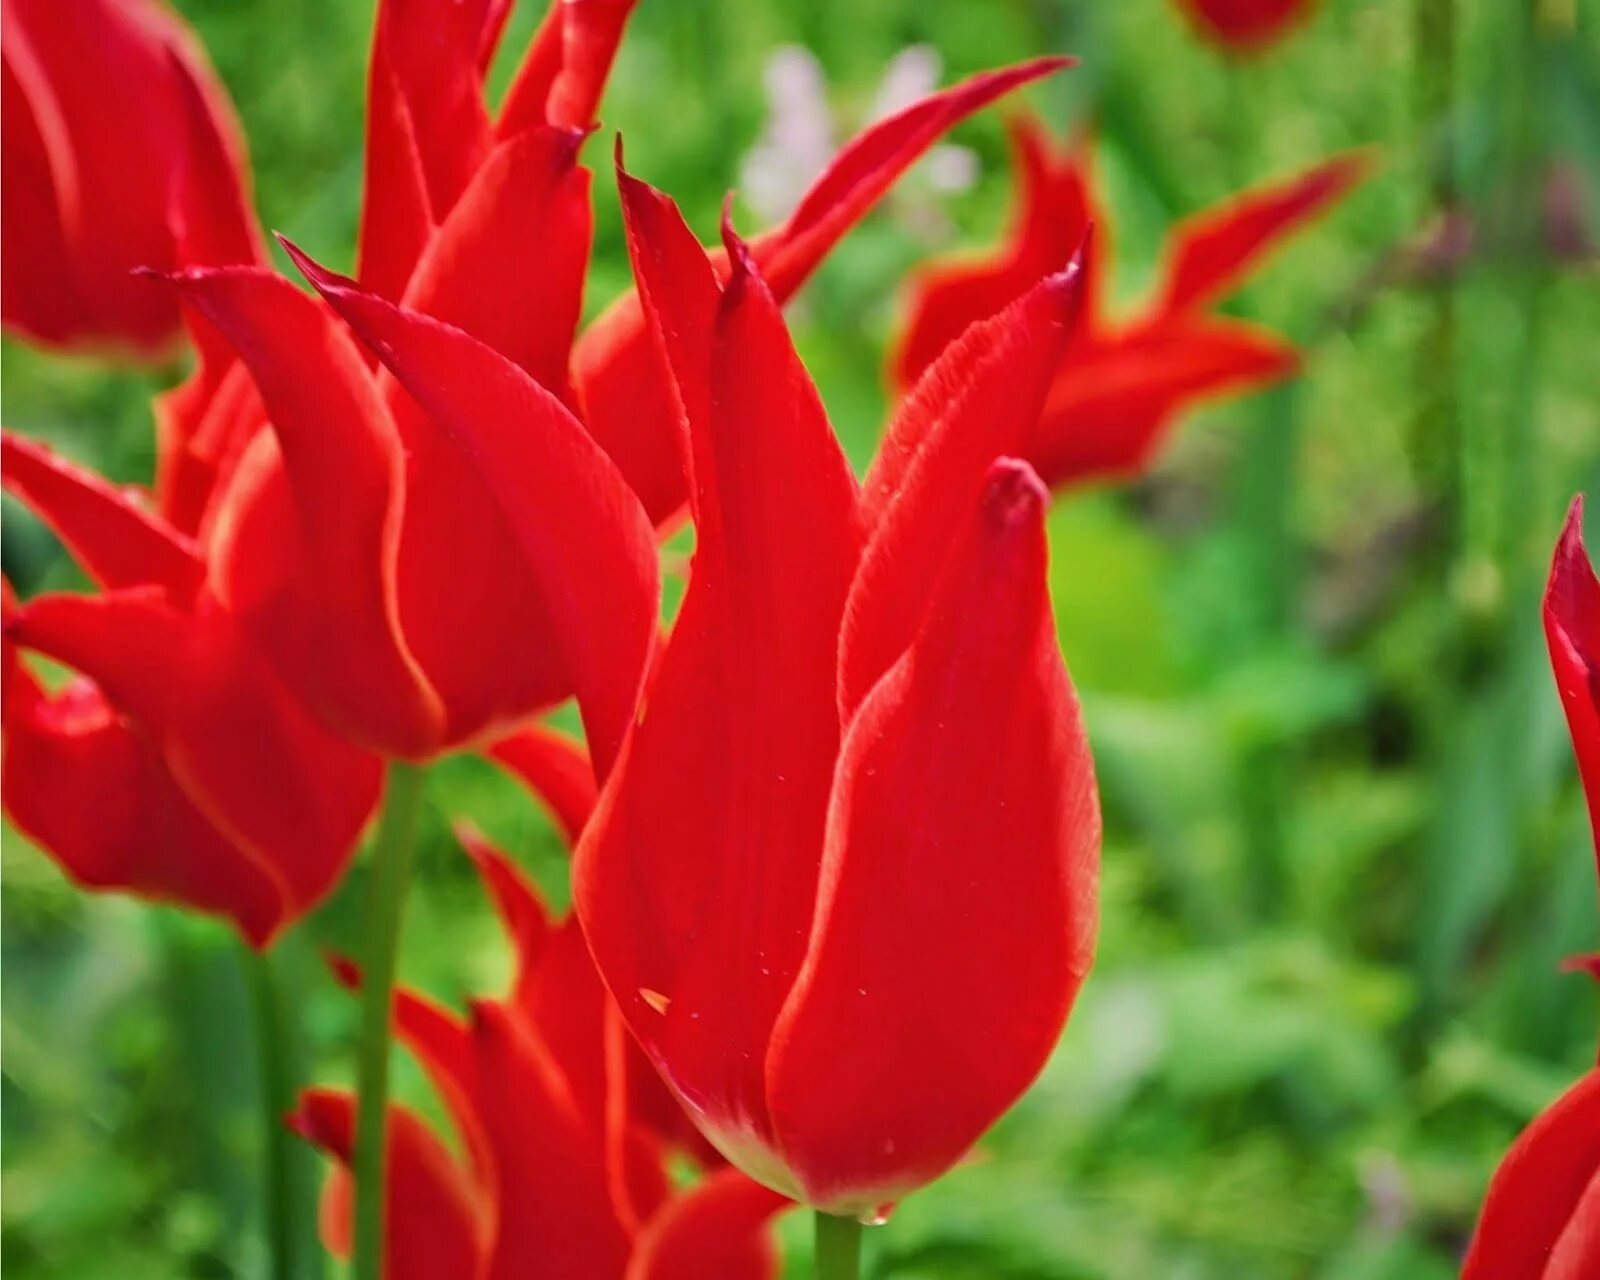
(564, 1131)
(1246, 26)
(1121, 383)
(145, 772)
(119, 150)
(842, 880)
(1572, 628)
(1541, 1217)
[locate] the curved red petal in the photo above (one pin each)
(1210, 254)
(696, 876)
(427, 130)
(979, 401)
(1115, 397)
(588, 553)
(1053, 215)
(965, 797)
(189, 683)
(627, 405)
(1541, 1218)
(555, 769)
(719, 1227)
(434, 1224)
(519, 232)
(332, 623)
(1572, 630)
(116, 541)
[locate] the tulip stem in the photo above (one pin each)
(838, 1247)
(386, 891)
(275, 1089)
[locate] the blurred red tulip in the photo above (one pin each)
(1246, 26)
(119, 150)
(842, 881)
(145, 773)
(1541, 1216)
(1572, 628)
(1121, 383)
(564, 1130)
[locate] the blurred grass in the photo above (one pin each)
(1345, 850)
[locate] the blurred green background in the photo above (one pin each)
(1345, 849)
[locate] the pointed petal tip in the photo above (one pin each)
(346, 972)
(1013, 493)
(739, 254)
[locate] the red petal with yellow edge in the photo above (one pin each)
(956, 910)
(1211, 253)
(434, 1223)
(627, 403)
(1541, 1216)
(333, 626)
(587, 553)
(696, 877)
(719, 1227)
(1572, 630)
(980, 401)
(116, 541)
(1114, 398)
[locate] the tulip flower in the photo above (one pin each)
(119, 150)
(1246, 26)
(841, 881)
(563, 1129)
(1541, 1217)
(145, 772)
(1121, 383)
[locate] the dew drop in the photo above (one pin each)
(655, 1000)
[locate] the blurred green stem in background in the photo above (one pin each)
(1435, 441)
(838, 1252)
(288, 1205)
(390, 872)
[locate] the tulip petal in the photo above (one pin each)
(564, 75)
(717, 1228)
(1572, 630)
(1115, 397)
(981, 400)
(626, 403)
(96, 796)
(1211, 253)
(554, 1210)
(556, 771)
(583, 539)
(1542, 1194)
(427, 130)
(508, 263)
(434, 1224)
(118, 542)
(333, 625)
(696, 875)
(964, 810)
(191, 683)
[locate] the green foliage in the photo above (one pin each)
(1345, 850)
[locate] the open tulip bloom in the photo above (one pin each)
(1541, 1217)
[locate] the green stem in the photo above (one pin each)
(275, 1073)
(838, 1248)
(386, 892)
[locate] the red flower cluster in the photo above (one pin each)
(845, 826)
(564, 1130)
(1541, 1218)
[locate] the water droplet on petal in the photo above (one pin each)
(655, 1000)
(876, 1217)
